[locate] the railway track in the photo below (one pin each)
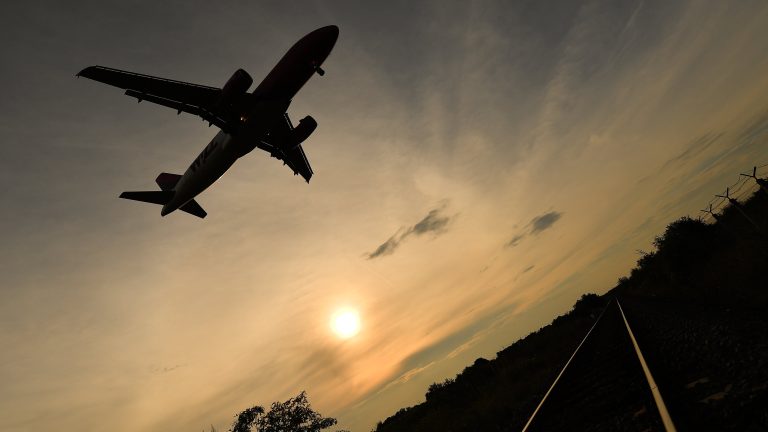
(605, 385)
(710, 360)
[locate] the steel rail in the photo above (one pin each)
(666, 420)
(528, 424)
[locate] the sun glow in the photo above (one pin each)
(345, 323)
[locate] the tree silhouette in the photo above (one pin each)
(293, 415)
(247, 419)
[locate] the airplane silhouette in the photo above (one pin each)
(247, 120)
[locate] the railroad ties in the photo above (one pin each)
(605, 386)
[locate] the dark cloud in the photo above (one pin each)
(385, 248)
(544, 222)
(537, 225)
(433, 222)
(529, 268)
(515, 240)
(163, 370)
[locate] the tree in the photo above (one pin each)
(588, 302)
(247, 418)
(293, 415)
(436, 389)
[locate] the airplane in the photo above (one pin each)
(246, 120)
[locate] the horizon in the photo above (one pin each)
(477, 170)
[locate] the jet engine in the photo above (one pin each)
(238, 84)
(302, 131)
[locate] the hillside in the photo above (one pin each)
(703, 281)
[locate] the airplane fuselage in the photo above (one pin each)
(212, 163)
(269, 101)
(222, 152)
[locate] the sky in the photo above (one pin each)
(478, 167)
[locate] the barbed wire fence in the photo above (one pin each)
(746, 185)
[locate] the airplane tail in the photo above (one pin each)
(162, 197)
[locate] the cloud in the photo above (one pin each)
(515, 240)
(386, 248)
(322, 361)
(538, 224)
(544, 222)
(434, 222)
(693, 149)
(446, 347)
(166, 369)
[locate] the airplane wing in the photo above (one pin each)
(280, 146)
(297, 161)
(191, 98)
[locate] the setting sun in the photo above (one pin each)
(345, 323)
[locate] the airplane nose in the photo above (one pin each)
(333, 30)
(330, 33)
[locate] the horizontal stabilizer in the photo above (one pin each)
(153, 197)
(167, 181)
(193, 208)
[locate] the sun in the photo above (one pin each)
(345, 323)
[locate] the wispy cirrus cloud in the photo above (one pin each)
(434, 222)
